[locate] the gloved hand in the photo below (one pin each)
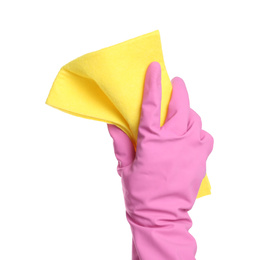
(161, 179)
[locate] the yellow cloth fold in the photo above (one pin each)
(107, 85)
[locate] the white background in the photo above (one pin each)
(60, 194)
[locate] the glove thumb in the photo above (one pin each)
(123, 147)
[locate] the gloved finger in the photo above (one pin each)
(195, 122)
(178, 108)
(208, 141)
(123, 147)
(151, 102)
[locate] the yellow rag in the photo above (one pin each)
(107, 85)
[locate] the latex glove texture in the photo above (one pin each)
(161, 179)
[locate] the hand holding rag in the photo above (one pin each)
(162, 177)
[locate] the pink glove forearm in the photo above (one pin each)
(161, 179)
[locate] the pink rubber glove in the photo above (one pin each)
(161, 179)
